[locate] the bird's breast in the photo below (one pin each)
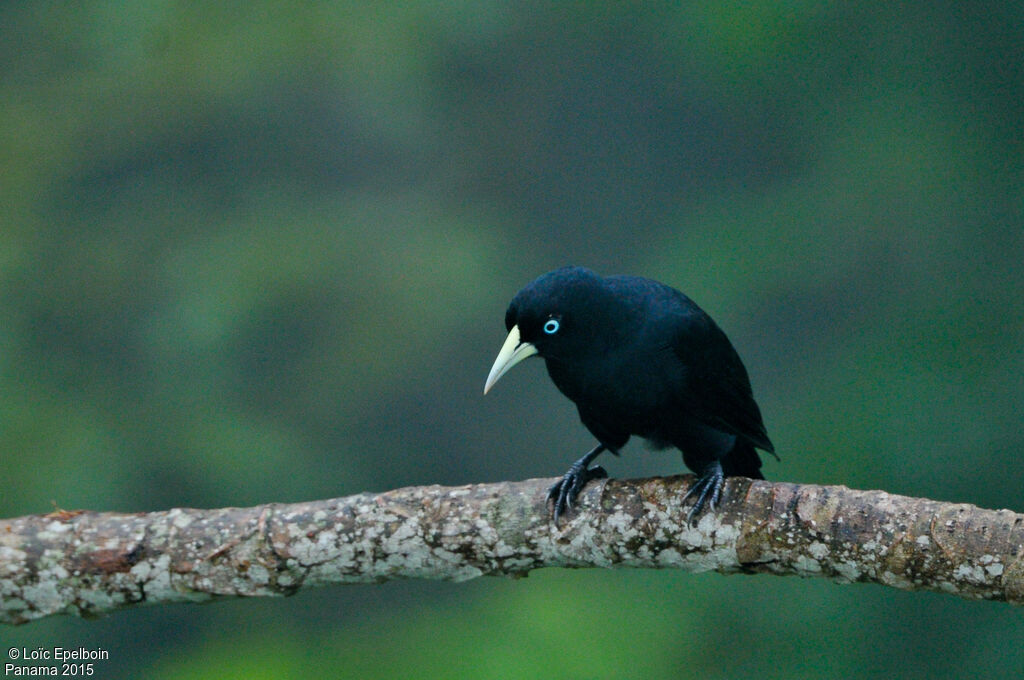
(628, 391)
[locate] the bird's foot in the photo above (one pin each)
(563, 493)
(707, 489)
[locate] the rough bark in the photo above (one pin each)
(90, 563)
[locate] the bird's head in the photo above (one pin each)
(559, 317)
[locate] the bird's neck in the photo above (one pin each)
(575, 371)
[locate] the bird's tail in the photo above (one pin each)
(742, 461)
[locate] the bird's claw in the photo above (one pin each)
(707, 489)
(563, 493)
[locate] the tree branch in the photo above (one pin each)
(90, 563)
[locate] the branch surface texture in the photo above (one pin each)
(90, 563)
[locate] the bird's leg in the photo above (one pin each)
(707, 488)
(563, 492)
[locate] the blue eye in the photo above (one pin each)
(551, 326)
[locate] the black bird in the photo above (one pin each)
(638, 358)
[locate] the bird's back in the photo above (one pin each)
(686, 364)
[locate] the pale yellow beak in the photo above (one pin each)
(512, 352)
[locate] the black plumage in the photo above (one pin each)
(638, 358)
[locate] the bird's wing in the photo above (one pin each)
(716, 386)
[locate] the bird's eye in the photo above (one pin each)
(551, 326)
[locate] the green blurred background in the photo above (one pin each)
(258, 252)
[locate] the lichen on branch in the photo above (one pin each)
(90, 563)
